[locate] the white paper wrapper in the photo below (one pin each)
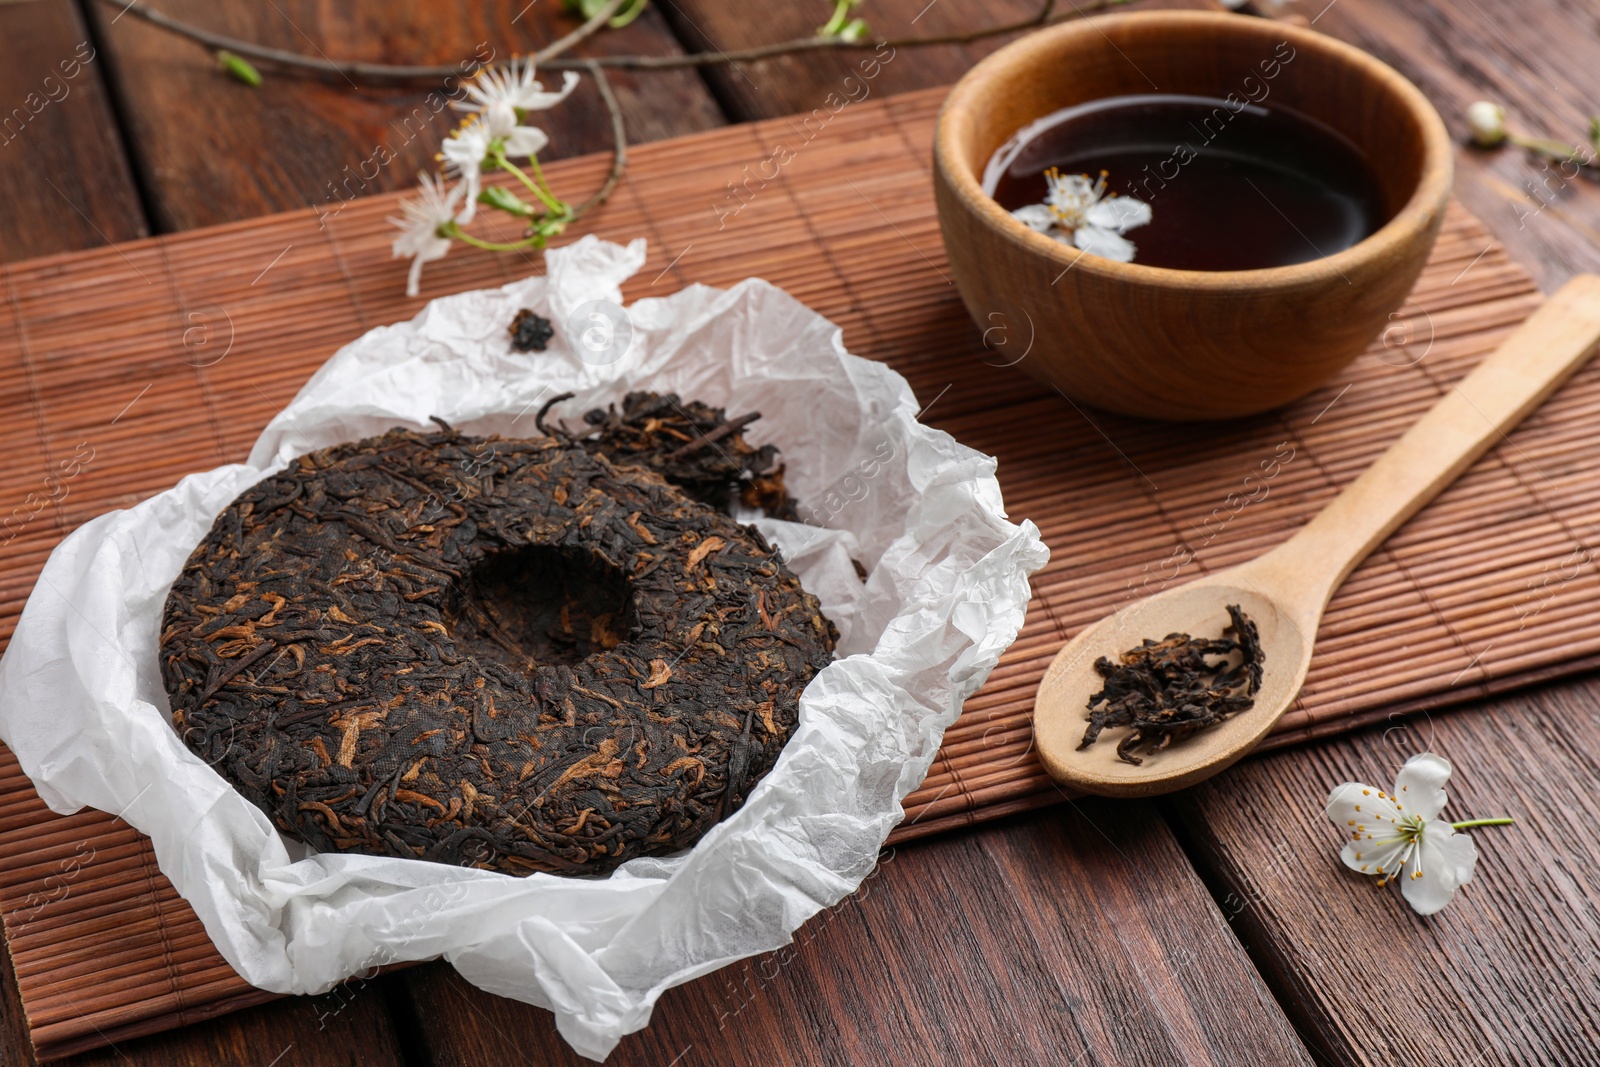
(82, 706)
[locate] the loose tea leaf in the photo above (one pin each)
(693, 445)
(506, 654)
(1168, 690)
(530, 332)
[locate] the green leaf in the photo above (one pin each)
(238, 69)
(1594, 131)
(506, 200)
(841, 13)
(628, 14)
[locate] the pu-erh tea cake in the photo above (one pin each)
(511, 654)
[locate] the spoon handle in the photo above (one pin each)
(1472, 417)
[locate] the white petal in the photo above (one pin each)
(1070, 195)
(1377, 858)
(1119, 213)
(469, 182)
(465, 153)
(1354, 803)
(1367, 820)
(1441, 864)
(467, 147)
(1035, 217)
(490, 86)
(1419, 787)
(536, 99)
(1103, 243)
(525, 141)
(1074, 189)
(421, 252)
(500, 117)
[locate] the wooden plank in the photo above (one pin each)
(212, 150)
(67, 184)
(1509, 972)
(1076, 936)
(348, 1025)
(797, 84)
(1536, 59)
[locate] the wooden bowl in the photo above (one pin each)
(1180, 344)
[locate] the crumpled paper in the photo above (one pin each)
(82, 706)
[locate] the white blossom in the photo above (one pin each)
(463, 153)
(434, 208)
(1078, 212)
(499, 101)
(1400, 835)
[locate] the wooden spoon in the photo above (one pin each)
(1286, 590)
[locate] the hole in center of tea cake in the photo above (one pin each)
(540, 605)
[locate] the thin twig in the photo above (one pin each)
(619, 143)
(354, 69)
(561, 44)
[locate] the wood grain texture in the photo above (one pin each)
(350, 1024)
(211, 150)
(795, 85)
(1539, 60)
(1103, 948)
(1509, 972)
(65, 178)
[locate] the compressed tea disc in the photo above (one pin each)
(507, 654)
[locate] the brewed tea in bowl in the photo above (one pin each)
(1294, 185)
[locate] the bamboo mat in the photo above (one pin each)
(153, 359)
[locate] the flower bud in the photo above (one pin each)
(1487, 121)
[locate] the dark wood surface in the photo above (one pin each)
(1542, 61)
(1074, 935)
(1216, 927)
(1508, 973)
(66, 180)
(210, 149)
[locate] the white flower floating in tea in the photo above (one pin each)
(1077, 211)
(1400, 835)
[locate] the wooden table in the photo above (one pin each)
(1213, 927)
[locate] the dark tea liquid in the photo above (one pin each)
(1231, 188)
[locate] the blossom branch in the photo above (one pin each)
(360, 70)
(588, 29)
(501, 104)
(619, 142)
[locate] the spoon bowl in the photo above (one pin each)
(1285, 591)
(1198, 609)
